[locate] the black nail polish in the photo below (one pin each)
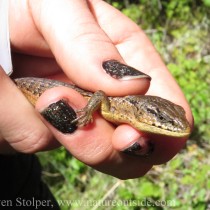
(137, 150)
(121, 71)
(60, 115)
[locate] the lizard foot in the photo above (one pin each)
(85, 117)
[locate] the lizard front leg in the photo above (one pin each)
(95, 102)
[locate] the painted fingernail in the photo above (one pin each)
(122, 72)
(138, 149)
(60, 115)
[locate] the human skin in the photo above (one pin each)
(69, 40)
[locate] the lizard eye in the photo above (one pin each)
(152, 111)
(165, 118)
(160, 115)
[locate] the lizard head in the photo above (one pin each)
(159, 116)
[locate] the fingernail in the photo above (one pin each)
(60, 115)
(139, 149)
(122, 72)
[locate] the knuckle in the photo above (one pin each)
(31, 142)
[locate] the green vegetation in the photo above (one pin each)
(180, 30)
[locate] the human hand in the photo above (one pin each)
(83, 36)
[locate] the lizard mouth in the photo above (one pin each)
(163, 130)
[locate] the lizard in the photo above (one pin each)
(146, 113)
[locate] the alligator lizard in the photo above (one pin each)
(149, 114)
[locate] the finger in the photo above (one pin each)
(132, 43)
(160, 149)
(83, 46)
(19, 123)
(138, 51)
(93, 144)
(33, 42)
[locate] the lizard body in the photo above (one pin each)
(150, 114)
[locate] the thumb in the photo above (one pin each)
(20, 126)
(92, 144)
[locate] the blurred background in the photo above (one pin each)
(180, 31)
